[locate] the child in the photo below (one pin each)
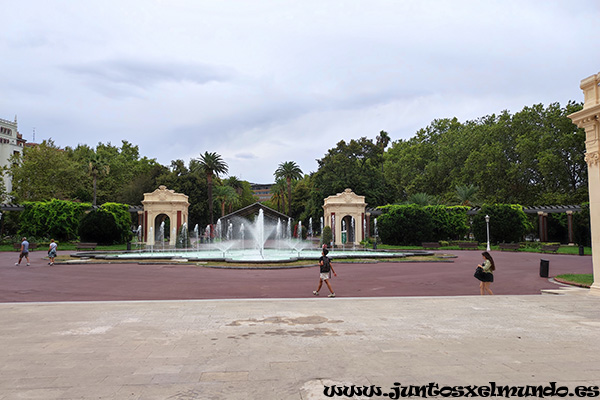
(325, 268)
(52, 251)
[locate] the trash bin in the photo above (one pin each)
(581, 251)
(544, 268)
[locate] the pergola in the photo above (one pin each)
(253, 209)
(542, 212)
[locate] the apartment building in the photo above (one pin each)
(11, 142)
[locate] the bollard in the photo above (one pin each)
(544, 268)
(581, 251)
(128, 246)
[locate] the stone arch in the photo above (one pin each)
(589, 119)
(345, 207)
(172, 205)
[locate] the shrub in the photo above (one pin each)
(109, 224)
(57, 219)
(326, 235)
(405, 224)
(448, 222)
(413, 224)
(508, 223)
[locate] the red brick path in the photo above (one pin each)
(517, 273)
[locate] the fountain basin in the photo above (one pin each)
(248, 255)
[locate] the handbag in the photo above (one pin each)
(478, 273)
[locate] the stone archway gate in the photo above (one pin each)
(344, 204)
(164, 201)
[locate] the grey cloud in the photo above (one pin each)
(143, 75)
(246, 156)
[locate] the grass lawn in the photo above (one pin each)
(584, 280)
(574, 250)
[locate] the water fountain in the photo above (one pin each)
(138, 235)
(183, 236)
(353, 233)
(247, 241)
(196, 232)
(161, 232)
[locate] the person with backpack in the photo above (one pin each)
(325, 270)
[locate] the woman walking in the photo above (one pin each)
(487, 277)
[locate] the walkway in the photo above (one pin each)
(284, 348)
(518, 273)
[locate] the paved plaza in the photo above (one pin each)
(62, 342)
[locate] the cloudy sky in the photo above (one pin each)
(266, 81)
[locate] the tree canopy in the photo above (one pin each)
(532, 157)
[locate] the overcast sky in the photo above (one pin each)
(263, 82)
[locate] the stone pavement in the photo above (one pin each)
(293, 348)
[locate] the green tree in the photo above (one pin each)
(290, 171)
(211, 165)
(382, 140)
(354, 165)
(4, 170)
(182, 180)
(278, 194)
(44, 172)
(466, 195)
(131, 175)
(97, 166)
(533, 156)
(226, 196)
(422, 199)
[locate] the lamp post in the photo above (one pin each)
(487, 222)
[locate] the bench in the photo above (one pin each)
(550, 247)
(32, 246)
(468, 245)
(510, 246)
(86, 246)
(431, 245)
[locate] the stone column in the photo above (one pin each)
(570, 227)
(588, 119)
(543, 227)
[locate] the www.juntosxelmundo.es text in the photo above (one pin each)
(435, 390)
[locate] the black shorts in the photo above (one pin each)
(487, 277)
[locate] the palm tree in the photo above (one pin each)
(226, 195)
(467, 195)
(211, 165)
(382, 140)
(422, 199)
(97, 166)
(289, 171)
(278, 194)
(235, 183)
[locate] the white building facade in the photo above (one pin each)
(11, 142)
